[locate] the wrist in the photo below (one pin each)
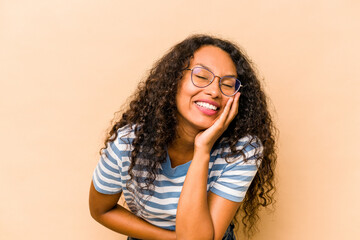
(168, 235)
(203, 147)
(202, 153)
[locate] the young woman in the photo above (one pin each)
(194, 148)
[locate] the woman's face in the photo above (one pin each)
(198, 108)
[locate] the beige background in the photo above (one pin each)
(67, 66)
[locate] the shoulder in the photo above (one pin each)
(126, 132)
(234, 168)
(250, 145)
(246, 148)
(121, 144)
(123, 136)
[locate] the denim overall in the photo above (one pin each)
(229, 234)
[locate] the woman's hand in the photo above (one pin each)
(205, 140)
(193, 219)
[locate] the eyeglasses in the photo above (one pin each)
(202, 77)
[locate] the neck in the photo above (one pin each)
(181, 150)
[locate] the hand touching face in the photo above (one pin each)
(199, 108)
(205, 140)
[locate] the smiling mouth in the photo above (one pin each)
(206, 105)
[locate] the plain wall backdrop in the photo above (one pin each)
(67, 66)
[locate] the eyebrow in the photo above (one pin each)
(204, 66)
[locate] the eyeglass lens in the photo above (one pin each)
(202, 77)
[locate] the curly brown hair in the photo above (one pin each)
(153, 112)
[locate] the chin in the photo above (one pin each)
(199, 124)
(203, 126)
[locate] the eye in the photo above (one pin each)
(228, 83)
(201, 77)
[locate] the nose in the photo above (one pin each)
(214, 88)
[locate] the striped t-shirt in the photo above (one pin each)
(228, 180)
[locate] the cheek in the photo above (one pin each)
(224, 101)
(186, 91)
(181, 98)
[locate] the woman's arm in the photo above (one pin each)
(193, 219)
(201, 215)
(105, 210)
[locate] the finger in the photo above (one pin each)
(234, 109)
(235, 106)
(224, 115)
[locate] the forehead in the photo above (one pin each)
(215, 59)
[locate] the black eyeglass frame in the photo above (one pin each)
(220, 78)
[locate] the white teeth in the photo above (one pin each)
(206, 105)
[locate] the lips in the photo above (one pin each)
(207, 107)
